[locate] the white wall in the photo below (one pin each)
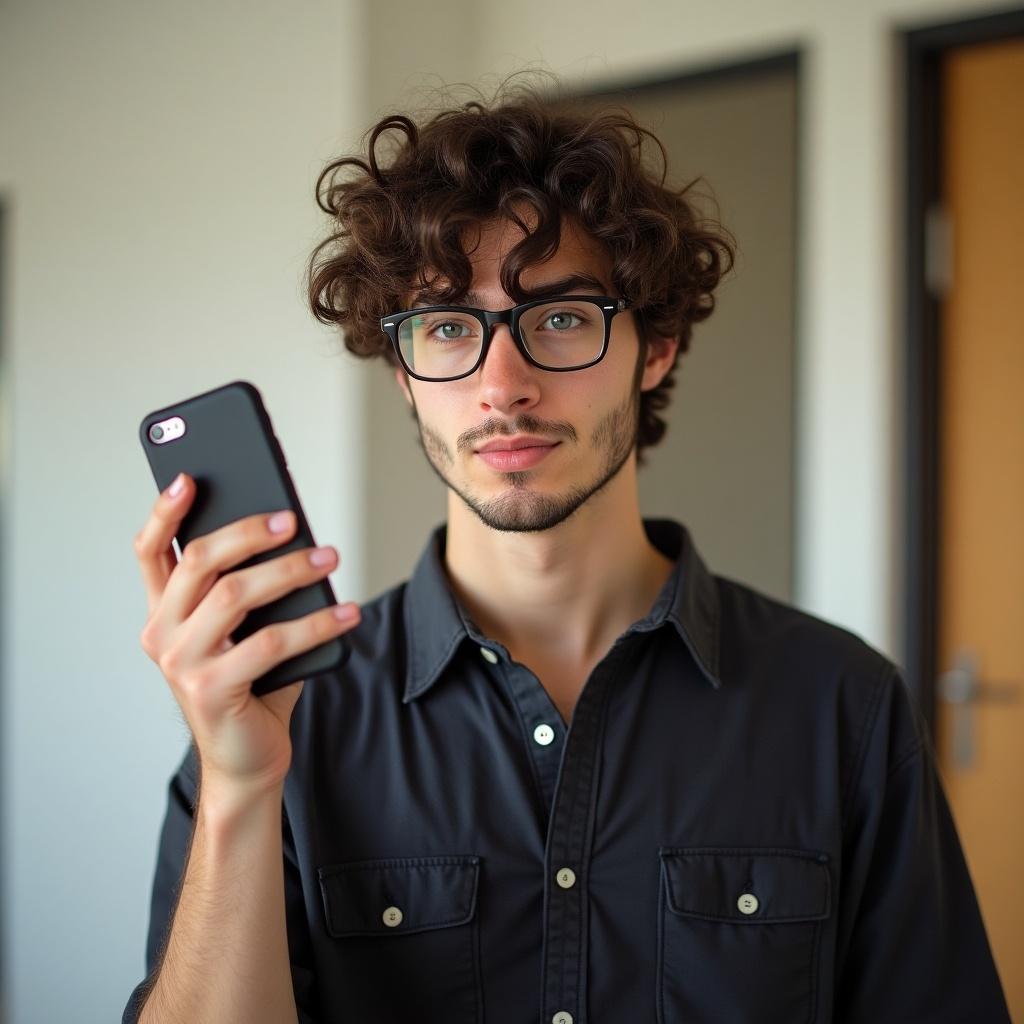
(157, 164)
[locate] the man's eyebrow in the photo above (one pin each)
(563, 286)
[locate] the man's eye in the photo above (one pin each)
(561, 321)
(449, 331)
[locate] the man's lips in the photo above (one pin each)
(511, 454)
(513, 444)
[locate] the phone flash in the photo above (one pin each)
(167, 430)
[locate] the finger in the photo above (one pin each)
(228, 601)
(205, 558)
(153, 542)
(273, 644)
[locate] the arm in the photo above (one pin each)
(227, 953)
(911, 942)
(176, 836)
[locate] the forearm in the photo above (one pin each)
(227, 954)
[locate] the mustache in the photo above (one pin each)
(522, 424)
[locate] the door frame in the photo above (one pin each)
(923, 50)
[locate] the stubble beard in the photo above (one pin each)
(519, 509)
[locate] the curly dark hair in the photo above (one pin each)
(406, 213)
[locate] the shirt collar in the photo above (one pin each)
(435, 623)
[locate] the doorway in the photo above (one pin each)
(965, 472)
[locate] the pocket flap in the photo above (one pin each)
(714, 883)
(415, 893)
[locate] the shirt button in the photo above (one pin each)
(543, 734)
(747, 903)
(562, 1017)
(489, 655)
(566, 878)
(392, 917)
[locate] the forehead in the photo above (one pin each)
(579, 255)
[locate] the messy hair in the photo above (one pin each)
(403, 215)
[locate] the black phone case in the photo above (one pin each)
(231, 451)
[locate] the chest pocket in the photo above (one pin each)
(738, 934)
(406, 938)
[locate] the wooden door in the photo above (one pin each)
(980, 646)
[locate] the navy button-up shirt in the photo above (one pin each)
(742, 823)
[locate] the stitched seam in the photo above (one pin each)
(812, 857)
(903, 759)
(385, 864)
(426, 926)
(698, 851)
(870, 723)
(813, 971)
(582, 976)
(662, 901)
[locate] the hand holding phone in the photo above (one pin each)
(244, 614)
(194, 604)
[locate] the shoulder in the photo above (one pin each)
(832, 672)
(756, 626)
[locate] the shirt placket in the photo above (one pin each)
(566, 765)
(567, 855)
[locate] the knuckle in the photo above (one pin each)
(298, 567)
(170, 661)
(196, 682)
(139, 545)
(148, 639)
(321, 626)
(227, 591)
(196, 554)
(270, 642)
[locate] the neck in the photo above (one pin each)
(563, 594)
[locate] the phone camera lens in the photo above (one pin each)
(156, 432)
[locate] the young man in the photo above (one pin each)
(568, 774)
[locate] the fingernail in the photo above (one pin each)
(346, 612)
(178, 486)
(321, 556)
(279, 522)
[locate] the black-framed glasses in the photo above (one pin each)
(442, 343)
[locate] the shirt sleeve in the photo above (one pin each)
(911, 941)
(172, 853)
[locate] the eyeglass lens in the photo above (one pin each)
(558, 335)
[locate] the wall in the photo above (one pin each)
(157, 167)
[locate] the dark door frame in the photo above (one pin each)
(924, 50)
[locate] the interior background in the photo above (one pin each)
(156, 171)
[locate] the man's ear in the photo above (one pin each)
(661, 354)
(403, 382)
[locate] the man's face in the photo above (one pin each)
(585, 421)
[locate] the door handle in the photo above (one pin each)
(961, 687)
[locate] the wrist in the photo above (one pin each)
(226, 803)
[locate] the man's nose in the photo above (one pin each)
(507, 380)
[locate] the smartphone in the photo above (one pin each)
(225, 441)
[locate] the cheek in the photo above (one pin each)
(443, 409)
